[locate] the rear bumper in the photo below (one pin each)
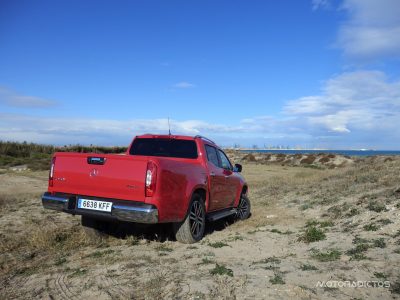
(122, 210)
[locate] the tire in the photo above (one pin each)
(243, 209)
(191, 230)
(93, 228)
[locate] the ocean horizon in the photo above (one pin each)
(317, 151)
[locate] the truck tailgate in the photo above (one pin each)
(118, 177)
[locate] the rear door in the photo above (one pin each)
(218, 184)
(231, 180)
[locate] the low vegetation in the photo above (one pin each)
(328, 255)
(277, 279)
(37, 156)
(376, 206)
(358, 252)
(335, 221)
(371, 227)
(218, 245)
(221, 270)
(312, 234)
(308, 267)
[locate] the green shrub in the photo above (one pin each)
(218, 245)
(221, 270)
(371, 227)
(308, 267)
(376, 206)
(357, 253)
(38, 157)
(329, 255)
(277, 279)
(312, 234)
(379, 243)
(380, 275)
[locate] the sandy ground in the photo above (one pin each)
(335, 225)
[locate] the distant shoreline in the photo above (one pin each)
(305, 149)
(361, 152)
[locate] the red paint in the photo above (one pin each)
(173, 181)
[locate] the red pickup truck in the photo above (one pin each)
(161, 179)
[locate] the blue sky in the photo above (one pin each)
(314, 73)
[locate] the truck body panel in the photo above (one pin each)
(153, 182)
(120, 177)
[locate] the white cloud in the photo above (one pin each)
(184, 85)
(320, 4)
(86, 131)
(11, 98)
(372, 30)
(354, 109)
(361, 101)
(308, 105)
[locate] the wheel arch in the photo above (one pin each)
(200, 190)
(191, 229)
(244, 189)
(240, 191)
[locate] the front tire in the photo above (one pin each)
(243, 209)
(191, 230)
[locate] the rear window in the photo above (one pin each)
(164, 147)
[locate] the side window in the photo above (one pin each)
(212, 155)
(225, 161)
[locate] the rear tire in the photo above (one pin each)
(191, 230)
(243, 209)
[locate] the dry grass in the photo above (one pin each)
(225, 287)
(158, 286)
(329, 209)
(57, 238)
(6, 201)
(3, 201)
(271, 184)
(308, 160)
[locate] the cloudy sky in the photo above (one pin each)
(309, 73)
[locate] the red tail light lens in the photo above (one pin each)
(151, 179)
(51, 173)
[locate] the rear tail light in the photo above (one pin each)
(151, 179)
(51, 173)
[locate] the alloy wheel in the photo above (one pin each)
(196, 218)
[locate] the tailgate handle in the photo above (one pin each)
(96, 160)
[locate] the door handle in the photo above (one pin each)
(226, 177)
(212, 174)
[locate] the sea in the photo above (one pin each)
(339, 152)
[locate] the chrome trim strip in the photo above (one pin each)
(135, 214)
(133, 208)
(52, 198)
(53, 202)
(131, 213)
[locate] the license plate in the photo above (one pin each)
(95, 205)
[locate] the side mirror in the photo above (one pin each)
(237, 168)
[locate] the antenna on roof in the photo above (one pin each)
(169, 127)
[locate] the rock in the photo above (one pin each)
(19, 168)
